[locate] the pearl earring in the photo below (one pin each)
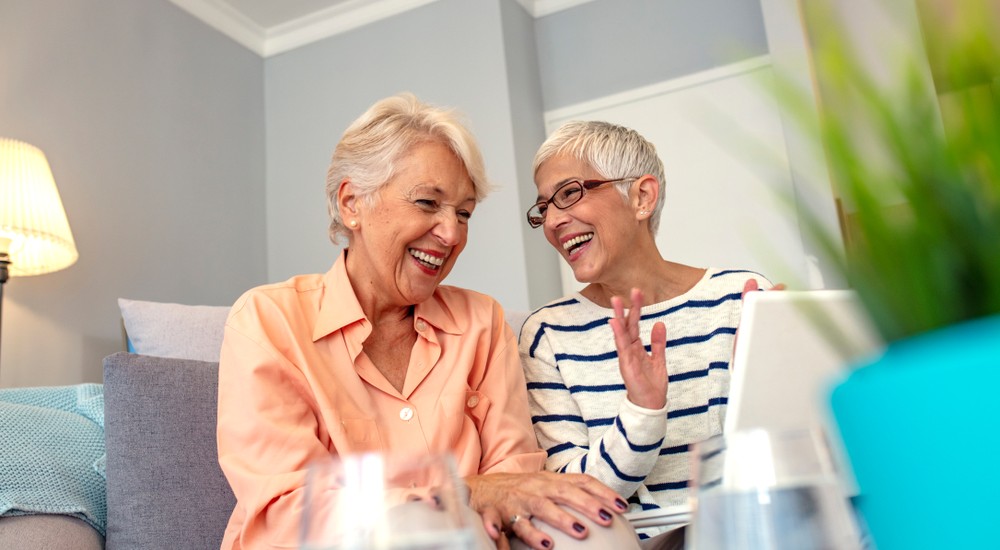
(643, 212)
(353, 223)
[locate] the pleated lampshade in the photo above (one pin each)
(33, 225)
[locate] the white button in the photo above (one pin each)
(473, 401)
(421, 325)
(406, 413)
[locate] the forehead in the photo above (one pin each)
(558, 170)
(432, 168)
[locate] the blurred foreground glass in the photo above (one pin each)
(769, 490)
(386, 502)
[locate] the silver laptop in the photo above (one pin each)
(791, 348)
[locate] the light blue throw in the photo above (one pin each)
(52, 452)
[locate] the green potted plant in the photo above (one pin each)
(920, 183)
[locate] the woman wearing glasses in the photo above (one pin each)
(599, 362)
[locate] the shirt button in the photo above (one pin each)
(421, 325)
(406, 413)
(473, 401)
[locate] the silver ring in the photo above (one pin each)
(514, 519)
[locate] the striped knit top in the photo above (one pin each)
(578, 402)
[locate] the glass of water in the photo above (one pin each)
(769, 490)
(386, 502)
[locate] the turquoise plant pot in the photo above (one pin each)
(921, 425)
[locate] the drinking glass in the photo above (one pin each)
(386, 502)
(769, 490)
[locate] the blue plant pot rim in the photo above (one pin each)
(975, 338)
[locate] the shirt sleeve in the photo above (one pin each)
(507, 437)
(621, 458)
(267, 434)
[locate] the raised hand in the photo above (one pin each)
(645, 374)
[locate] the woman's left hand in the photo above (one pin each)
(517, 498)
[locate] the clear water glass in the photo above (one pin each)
(386, 502)
(769, 490)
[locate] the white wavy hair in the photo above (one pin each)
(613, 151)
(373, 144)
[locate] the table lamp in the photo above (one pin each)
(34, 232)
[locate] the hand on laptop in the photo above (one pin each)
(750, 286)
(645, 374)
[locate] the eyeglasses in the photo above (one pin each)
(565, 196)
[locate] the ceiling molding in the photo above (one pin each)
(547, 7)
(229, 21)
(334, 20)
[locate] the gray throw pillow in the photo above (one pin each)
(165, 487)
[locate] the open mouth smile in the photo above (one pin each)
(573, 245)
(430, 263)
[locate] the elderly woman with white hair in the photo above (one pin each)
(376, 355)
(597, 374)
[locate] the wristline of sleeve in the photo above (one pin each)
(643, 426)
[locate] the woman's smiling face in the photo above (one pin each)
(409, 238)
(592, 233)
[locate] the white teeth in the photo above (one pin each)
(426, 258)
(577, 240)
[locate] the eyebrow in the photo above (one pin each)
(430, 187)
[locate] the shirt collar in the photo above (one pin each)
(436, 312)
(339, 306)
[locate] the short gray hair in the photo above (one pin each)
(373, 144)
(613, 151)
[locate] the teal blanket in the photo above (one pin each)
(52, 452)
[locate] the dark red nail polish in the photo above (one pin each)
(547, 543)
(605, 515)
(578, 528)
(621, 504)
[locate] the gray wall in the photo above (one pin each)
(153, 124)
(500, 67)
(450, 52)
(165, 155)
(609, 46)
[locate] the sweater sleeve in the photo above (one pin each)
(621, 458)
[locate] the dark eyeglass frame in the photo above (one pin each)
(586, 185)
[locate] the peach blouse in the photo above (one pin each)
(294, 386)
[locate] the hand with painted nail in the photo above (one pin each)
(558, 500)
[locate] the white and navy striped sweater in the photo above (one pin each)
(578, 406)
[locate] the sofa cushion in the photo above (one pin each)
(165, 486)
(48, 532)
(174, 330)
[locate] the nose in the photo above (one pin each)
(448, 231)
(554, 217)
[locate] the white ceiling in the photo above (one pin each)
(269, 27)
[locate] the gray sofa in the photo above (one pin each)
(164, 485)
(165, 489)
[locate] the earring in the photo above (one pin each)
(353, 223)
(643, 212)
